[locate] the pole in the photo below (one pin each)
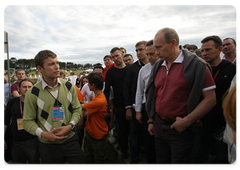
(6, 50)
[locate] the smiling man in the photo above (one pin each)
(51, 111)
(24, 146)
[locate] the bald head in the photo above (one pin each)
(169, 35)
(166, 44)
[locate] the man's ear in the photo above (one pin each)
(220, 49)
(174, 42)
(40, 68)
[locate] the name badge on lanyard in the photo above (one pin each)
(58, 113)
(19, 124)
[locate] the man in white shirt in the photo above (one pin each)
(229, 49)
(141, 114)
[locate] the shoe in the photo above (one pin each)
(124, 155)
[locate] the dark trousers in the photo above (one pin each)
(80, 132)
(149, 142)
(115, 128)
(8, 140)
(95, 150)
(69, 151)
(123, 125)
(172, 146)
(25, 151)
(205, 142)
(136, 133)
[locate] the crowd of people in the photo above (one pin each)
(177, 102)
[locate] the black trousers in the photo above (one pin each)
(123, 124)
(136, 136)
(149, 142)
(205, 142)
(172, 146)
(69, 151)
(25, 151)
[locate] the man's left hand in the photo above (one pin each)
(129, 114)
(63, 130)
(179, 125)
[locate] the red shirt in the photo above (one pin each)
(172, 91)
(14, 86)
(105, 71)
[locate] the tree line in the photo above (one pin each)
(29, 63)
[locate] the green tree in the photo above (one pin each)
(87, 66)
(97, 64)
(27, 72)
(62, 65)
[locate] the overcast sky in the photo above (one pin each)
(85, 34)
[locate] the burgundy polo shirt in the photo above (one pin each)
(172, 90)
(14, 86)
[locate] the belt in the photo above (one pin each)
(166, 120)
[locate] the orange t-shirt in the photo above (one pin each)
(97, 110)
(79, 94)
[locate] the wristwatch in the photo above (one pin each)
(148, 122)
(72, 125)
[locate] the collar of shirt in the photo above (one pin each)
(234, 61)
(140, 63)
(44, 84)
(179, 59)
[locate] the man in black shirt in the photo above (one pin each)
(214, 122)
(115, 78)
(129, 92)
(24, 145)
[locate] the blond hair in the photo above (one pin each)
(229, 108)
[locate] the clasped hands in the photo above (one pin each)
(57, 134)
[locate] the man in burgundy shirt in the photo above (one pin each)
(180, 91)
(20, 73)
